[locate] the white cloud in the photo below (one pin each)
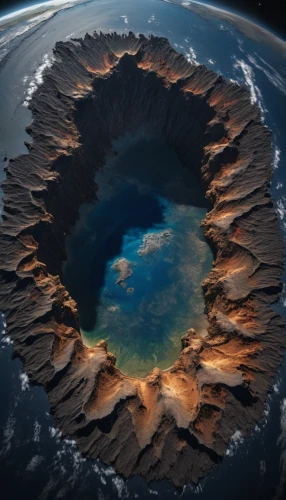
(249, 78)
(266, 411)
(120, 487)
(276, 386)
(236, 440)
(240, 45)
(55, 433)
(6, 340)
(276, 157)
(281, 208)
(125, 19)
(8, 434)
(37, 430)
(78, 459)
(271, 73)
(25, 384)
(47, 62)
(222, 27)
(192, 57)
(34, 463)
(3, 321)
(103, 472)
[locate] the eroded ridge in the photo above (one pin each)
(176, 423)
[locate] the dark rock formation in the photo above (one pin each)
(176, 423)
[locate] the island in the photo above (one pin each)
(124, 269)
(174, 424)
(153, 242)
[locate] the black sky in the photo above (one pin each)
(271, 13)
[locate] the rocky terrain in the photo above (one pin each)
(124, 269)
(153, 242)
(177, 423)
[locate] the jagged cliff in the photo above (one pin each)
(176, 423)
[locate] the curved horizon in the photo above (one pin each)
(232, 10)
(240, 13)
(32, 7)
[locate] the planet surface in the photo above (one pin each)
(137, 277)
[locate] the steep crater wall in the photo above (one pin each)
(176, 423)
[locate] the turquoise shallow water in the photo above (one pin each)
(137, 258)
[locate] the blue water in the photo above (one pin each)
(147, 218)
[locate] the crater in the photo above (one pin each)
(102, 97)
(137, 257)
